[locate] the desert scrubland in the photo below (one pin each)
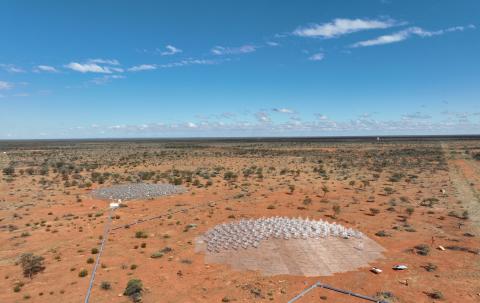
(410, 197)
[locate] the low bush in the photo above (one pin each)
(83, 273)
(31, 264)
(422, 249)
(141, 234)
(436, 294)
(134, 290)
(105, 285)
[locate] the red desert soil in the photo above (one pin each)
(395, 187)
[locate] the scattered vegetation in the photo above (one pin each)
(31, 264)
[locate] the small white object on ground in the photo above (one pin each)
(400, 267)
(376, 270)
(441, 247)
(114, 205)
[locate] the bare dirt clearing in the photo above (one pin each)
(315, 257)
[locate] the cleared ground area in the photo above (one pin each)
(299, 247)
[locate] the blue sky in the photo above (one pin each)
(238, 68)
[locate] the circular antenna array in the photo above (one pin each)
(250, 233)
(136, 191)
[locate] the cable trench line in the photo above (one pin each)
(106, 231)
(339, 290)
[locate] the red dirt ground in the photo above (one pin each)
(182, 276)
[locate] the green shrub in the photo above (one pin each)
(105, 285)
(386, 296)
(31, 264)
(382, 233)
(134, 289)
(476, 156)
(157, 254)
(429, 202)
(9, 171)
(430, 267)
(436, 294)
(140, 234)
(422, 249)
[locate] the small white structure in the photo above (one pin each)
(376, 270)
(114, 205)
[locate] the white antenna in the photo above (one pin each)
(250, 233)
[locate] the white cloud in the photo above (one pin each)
(171, 50)
(103, 66)
(284, 110)
(457, 115)
(88, 68)
(116, 69)
(45, 68)
(272, 43)
(321, 116)
(11, 68)
(317, 57)
(321, 126)
(460, 28)
(416, 115)
(407, 33)
(104, 61)
(396, 37)
(187, 62)
(244, 49)
(5, 85)
(341, 26)
(105, 79)
(142, 67)
(385, 39)
(227, 115)
(262, 117)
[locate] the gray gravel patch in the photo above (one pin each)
(136, 191)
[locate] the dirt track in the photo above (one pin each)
(465, 175)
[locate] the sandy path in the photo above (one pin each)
(464, 172)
